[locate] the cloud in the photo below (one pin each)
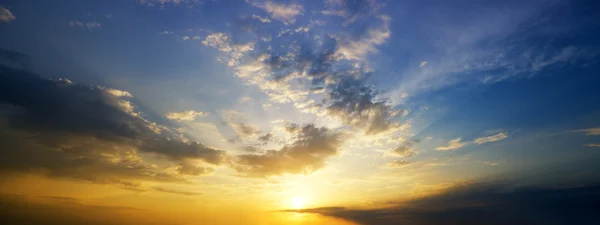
(178, 192)
(453, 144)
(14, 59)
(353, 49)
(308, 153)
(285, 13)
(85, 132)
(163, 3)
(351, 11)
(89, 25)
(590, 131)
(261, 19)
(492, 138)
(188, 115)
(185, 38)
(50, 210)
(403, 151)
(484, 203)
(265, 137)
(592, 145)
(396, 164)
(5, 15)
(423, 64)
(244, 129)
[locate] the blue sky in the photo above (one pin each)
(429, 92)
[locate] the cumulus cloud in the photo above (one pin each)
(5, 15)
(285, 13)
(492, 138)
(84, 132)
(188, 115)
(306, 154)
(453, 144)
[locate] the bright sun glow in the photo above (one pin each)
(297, 202)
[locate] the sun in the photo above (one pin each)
(297, 202)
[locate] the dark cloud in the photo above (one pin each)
(486, 203)
(355, 103)
(177, 150)
(14, 59)
(403, 151)
(188, 168)
(84, 132)
(265, 137)
(306, 154)
(17, 210)
(243, 129)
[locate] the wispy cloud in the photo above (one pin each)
(89, 25)
(492, 138)
(590, 131)
(188, 115)
(592, 145)
(285, 13)
(452, 144)
(261, 19)
(6, 15)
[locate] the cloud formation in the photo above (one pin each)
(85, 132)
(484, 203)
(286, 13)
(306, 154)
(5, 15)
(590, 131)
(452, 144)
(188, 115)
(492, 138)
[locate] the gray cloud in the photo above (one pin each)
(5, 15)
(404, 151)
(306, 154)
(85, 132)
(484, 203)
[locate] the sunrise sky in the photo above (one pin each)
(299, 112)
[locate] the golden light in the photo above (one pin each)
(297, 202)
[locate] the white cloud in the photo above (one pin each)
(5, 15)
(453, 144)
(261, 19)
(165, 32)
(358, 49)
(492, 138)
(423, 64)
(185, 38)
(281, 12)
(188, 115)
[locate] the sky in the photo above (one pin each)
(299, 112)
